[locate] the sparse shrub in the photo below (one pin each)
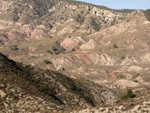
(54, 48)
(14, 47)
(147, 14)
(112, 23)
(50, 26)
(115, 46)
(80, 18)
(49, 52)
(61, 69)
(58, 50)
(105, 22)
(95, 25)
(61, 50)
(134, 77)
(73, 50)
(128, 95)
(47, 62)
(121, 77)
(135, 81)
(122, 57)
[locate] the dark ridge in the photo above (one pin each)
(101, 7)
(125, 10)
(57, 87)
(80, 2)
(147, 14)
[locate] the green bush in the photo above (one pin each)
(58, 50)
(123, 57)
(73, 50)
(61, 69)
(115, 46)
(47, 62)
(95, 25)
(49, 52)
(15, 47)
(128, 95)
(80, 18)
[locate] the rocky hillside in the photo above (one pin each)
(97, 48)
(33, 20)
(23, 11)
(30, 89)
(126, 107)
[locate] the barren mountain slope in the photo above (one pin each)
(85, 42)
(32, 20)
(29, 89)
(120, 45)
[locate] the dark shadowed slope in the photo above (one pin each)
(21, 85)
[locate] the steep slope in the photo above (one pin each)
(126, 107)
(147, 14)
(117, 57)
(23, 11)
(32, 20)
(29, 89)
(109, 46)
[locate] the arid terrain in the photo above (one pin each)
(69, 56)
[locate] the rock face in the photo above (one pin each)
(126, 83)
(26, 84)
(91, 44)
(79, 60)
(69, 26)
(26, 32)
(39, 33)
(72, 43)
(128, 61)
